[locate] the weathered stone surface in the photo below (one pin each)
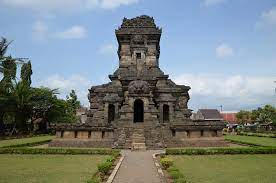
(139, 96)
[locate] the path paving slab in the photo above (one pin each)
(138, 167)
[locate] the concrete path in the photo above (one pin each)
(138, 167)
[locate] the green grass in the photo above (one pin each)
(13, 142)
(262, 141)
(227, 168)
(48, 168)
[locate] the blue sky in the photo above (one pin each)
(224, 49)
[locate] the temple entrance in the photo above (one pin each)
(138, 111)
(166, 113)
(111, 113)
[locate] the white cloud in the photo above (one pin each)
(270, 16)
(75, 32)
(39, 30)
(65, 5)
(77, 82)
(233, 92)
(208, 3)
(108, 49)
(267, 19)
(111, 4)
(224, 50)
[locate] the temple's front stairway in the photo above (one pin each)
(138, 140)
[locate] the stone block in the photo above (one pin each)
(195, 134)
(207, 133)
(82, 135)
(96, 135)
(181, 134)
(68, 134)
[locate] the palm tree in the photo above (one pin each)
(4, 44)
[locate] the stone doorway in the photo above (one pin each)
(111, 113)
(166, 113)
(138, 111)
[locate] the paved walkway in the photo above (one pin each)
(138, 167)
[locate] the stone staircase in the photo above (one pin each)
(138, 140)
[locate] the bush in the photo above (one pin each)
(95, 179)
(210, 151)
(110, 159)
(176, 175)
(104, 167)
(166, 162)
(58, 151)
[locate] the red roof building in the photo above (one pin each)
(230, 117)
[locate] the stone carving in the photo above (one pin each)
(138, 87)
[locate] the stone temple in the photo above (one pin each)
(140, 107)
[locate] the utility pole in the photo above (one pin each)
(220, 108)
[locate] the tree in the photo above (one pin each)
(4, 44)
(244, 117)
(267, 114)
(72, 100)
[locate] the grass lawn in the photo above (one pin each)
(227, 168)
(264, 141)
(25, 140)
(48, 168)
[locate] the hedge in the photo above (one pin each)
(211, 151)
(271, 135)
(25, 150)
(29, 144)
(243, 143)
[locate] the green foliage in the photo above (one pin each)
(24, 142)
(71, 151)
(266, 114)
(72, 100)
(9, 74)
(176, 175)
(27, 103)
(244, 117)
(211, 151)
(104, 167)
(166, 162)
(271, 135)
(26, 73)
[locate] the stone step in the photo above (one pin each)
(139, 146)
(137, 136)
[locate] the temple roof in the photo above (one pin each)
(139, 25)
(142, 21)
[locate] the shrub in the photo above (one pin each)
(25, 150)
(110, 159)
(209, 151)
(95, 179)
(166, 162)
(104, 167)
